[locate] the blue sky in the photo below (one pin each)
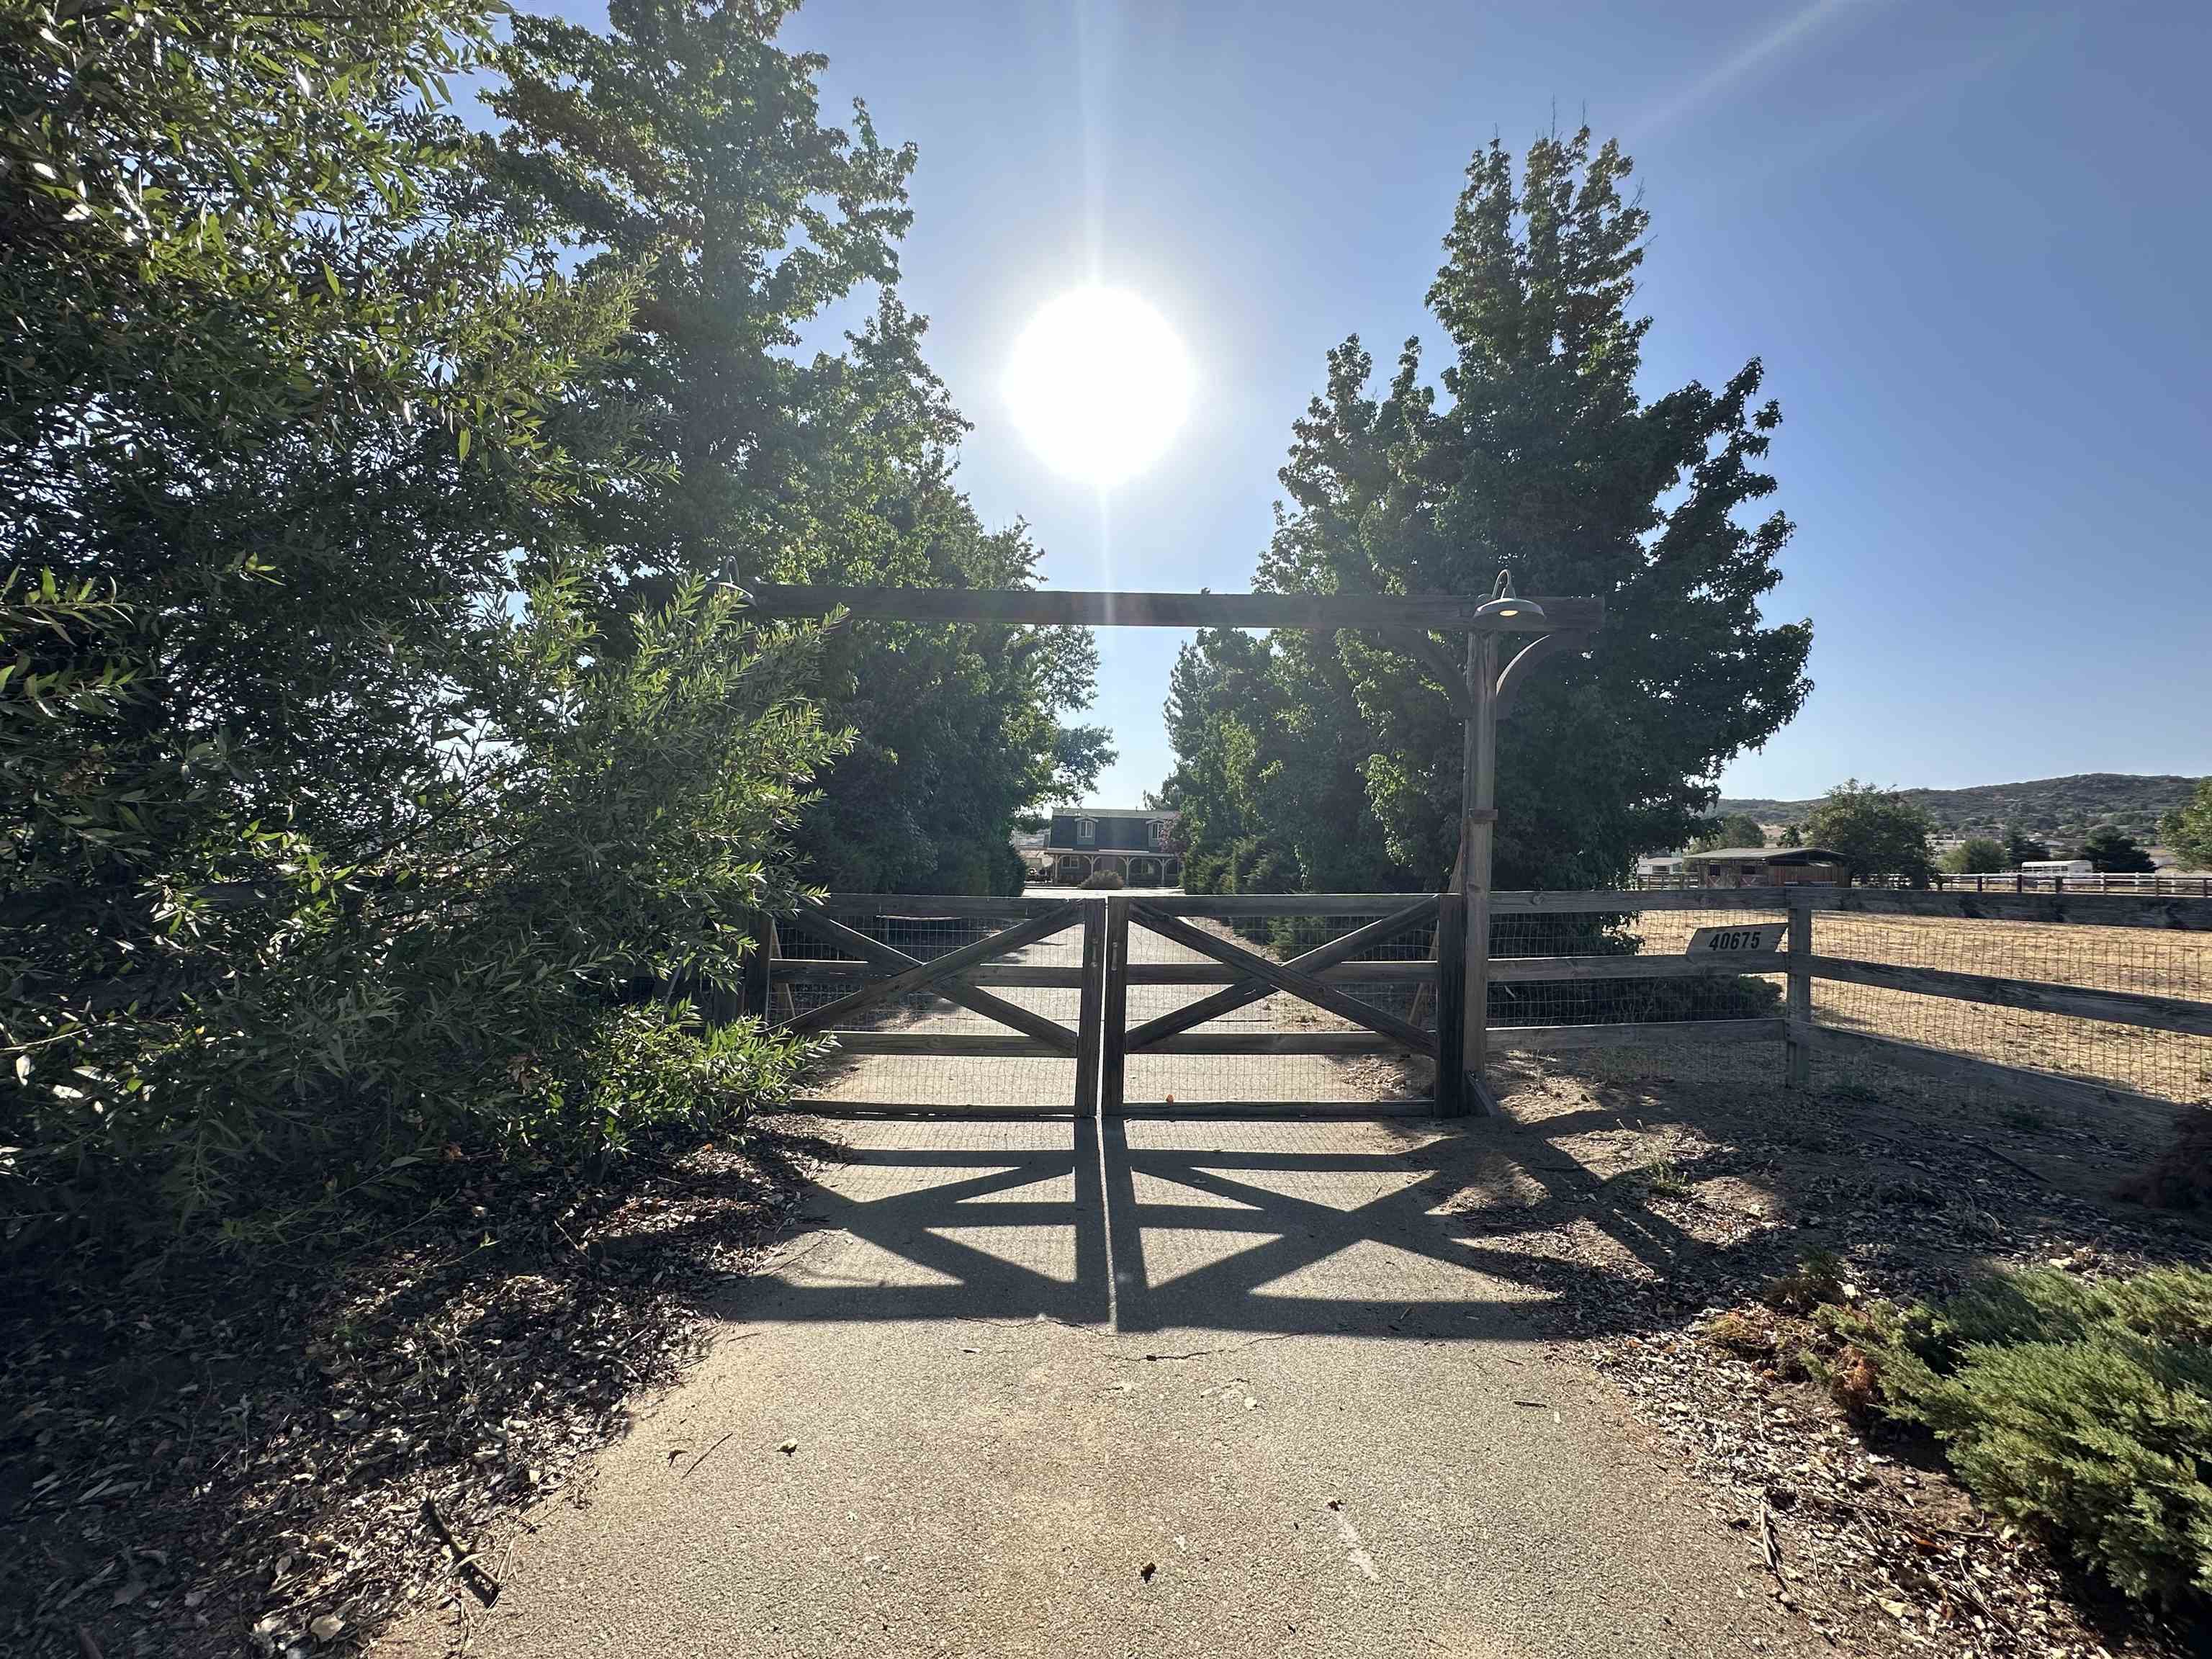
(1968, 240)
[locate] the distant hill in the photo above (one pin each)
(2049, 809)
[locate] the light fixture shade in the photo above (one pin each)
(1509, 610)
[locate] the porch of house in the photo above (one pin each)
(1136, 869)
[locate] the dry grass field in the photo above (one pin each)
(2168, 1065)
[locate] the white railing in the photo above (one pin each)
(2167, 883)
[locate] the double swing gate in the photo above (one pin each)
(1156, 1002)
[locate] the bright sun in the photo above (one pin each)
(1098, 385)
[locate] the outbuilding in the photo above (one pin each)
(1763, 867)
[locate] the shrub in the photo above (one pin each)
(315, 1027)
(2081, 1411)
(1103, 881)
(1815, 1281)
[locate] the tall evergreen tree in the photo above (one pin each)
(684, 143)
(1539, 456)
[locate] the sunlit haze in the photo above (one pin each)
(1098, 385)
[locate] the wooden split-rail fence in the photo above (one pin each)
(1331, 977)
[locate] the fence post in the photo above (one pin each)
(757, 966)
(1799, 1071)
(1451, 1006)
(1092, 1009)
(1114, 1010)
(1479, 814)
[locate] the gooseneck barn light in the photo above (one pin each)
(1506, 606)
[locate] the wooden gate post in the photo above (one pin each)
(1478, 815)
(1092, 1006)
(1451, 1006)
(1114, 1013)
(757, 966)
(1799, 1005)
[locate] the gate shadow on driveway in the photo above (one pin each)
(1392, 1228)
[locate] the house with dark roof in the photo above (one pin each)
(1141, 846)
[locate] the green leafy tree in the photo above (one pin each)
(1736, 829)
(2109, 848)
(2021, 848)
(2187, 830)
(342, 821)
(1791, 835)
(683, 144)
(1537, 454)
(1975, 855)
(1877, 831)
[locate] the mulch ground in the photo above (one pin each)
(212, 1454)
(1691, 1197)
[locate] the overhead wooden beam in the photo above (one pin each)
(1041, 607)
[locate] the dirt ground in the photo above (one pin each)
(1656, 1192)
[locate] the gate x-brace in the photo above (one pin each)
(1480, 693)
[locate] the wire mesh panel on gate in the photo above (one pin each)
(1349, 1081)
(907, 1081)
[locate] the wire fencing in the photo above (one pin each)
(2018, 994)
(813, 972)
(1392, 974)
(2174, 1065)
(1647, 990)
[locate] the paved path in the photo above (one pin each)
(1180, 1388)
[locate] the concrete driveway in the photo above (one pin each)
(1171, 1387)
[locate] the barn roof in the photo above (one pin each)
(1784, 855)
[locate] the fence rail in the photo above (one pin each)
(1863, 972)
(2070, 937)
(2192, 885)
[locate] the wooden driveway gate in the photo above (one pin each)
(1326, 978)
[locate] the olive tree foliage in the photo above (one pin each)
(685, 146)
(1978, 855)
(344, 816)
(1875, 831)
(2187, 830)
(1533, 451)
